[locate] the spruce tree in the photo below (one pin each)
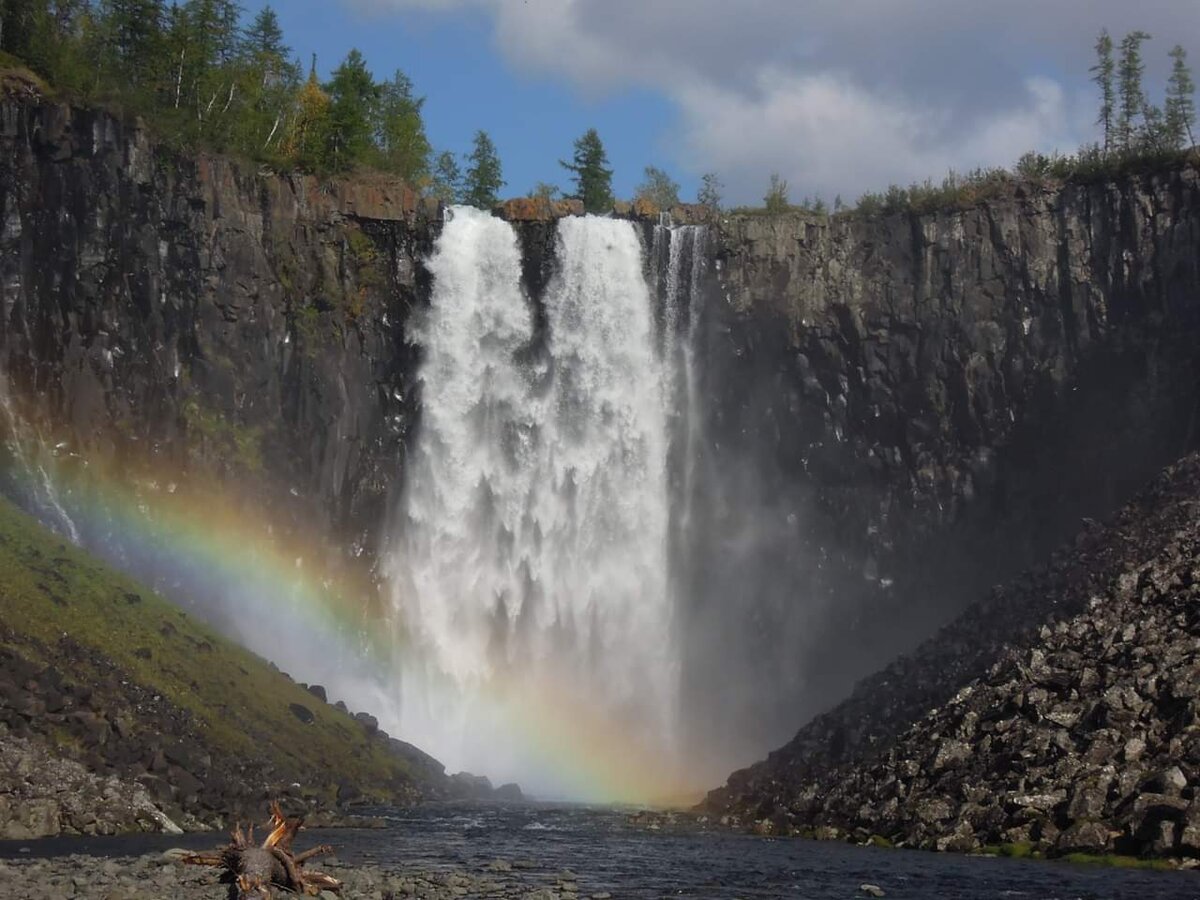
(1102, 75)
(483, 180)
(403, 145)
(133, 35)
(446, 184)
(354, 99)
(1133, 98)
(593, 178)
(1180, 105)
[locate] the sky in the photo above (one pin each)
(836, 96)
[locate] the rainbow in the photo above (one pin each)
(290, 597)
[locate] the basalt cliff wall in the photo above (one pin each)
(928, 405)
(194, 314)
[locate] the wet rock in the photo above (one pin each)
(872, 890)
(302, 712)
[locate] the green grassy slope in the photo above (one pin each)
(61, 608)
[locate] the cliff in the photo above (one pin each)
(930, 403)
(201, 316)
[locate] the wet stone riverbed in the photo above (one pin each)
(559, 851)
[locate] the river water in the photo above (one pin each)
(621, 852)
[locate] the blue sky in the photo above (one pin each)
(837, 97)
(533, 119)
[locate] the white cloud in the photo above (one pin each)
(838, 96)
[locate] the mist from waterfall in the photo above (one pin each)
(532, 560)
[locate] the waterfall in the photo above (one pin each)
(27, 471)
(531, 559)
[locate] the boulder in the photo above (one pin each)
(319, 692)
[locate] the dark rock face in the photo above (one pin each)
(907, 410)
(208, 317)
(1063, 711)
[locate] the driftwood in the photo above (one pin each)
(253, 871)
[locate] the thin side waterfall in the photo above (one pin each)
(30, 481)
(532, 557)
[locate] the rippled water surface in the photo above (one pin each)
(611, 850)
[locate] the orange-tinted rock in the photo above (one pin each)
(526, 209)
(645, 209)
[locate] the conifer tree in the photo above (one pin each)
(1132, 96)
(593, 178)
(134, 29)
(354, 99)
(483, 179)
(1102, 75)
(447, 178)
(403, 145)
(1180, 104)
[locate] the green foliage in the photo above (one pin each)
(593, 178)
(483, 180)
(544, 191)
(353, 100)
(709, 193)
(446, 184)
(241, 443)
(776, 199)
(201, 79)
(403, 145)
(1132, 97)
(658, 188)
(1102, 75)
(1180, 105)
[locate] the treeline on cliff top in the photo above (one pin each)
(1137, 134)
(203, 77)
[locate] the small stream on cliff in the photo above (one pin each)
(637, 855)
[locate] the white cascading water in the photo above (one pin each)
(531, 564)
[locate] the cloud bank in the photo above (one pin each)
(837, 97)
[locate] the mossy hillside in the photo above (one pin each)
(55, 599)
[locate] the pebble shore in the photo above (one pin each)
(161, 876)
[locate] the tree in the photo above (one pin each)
(544, 191)
(403, 146)
(658, 188)
(446, 184)
(1180, 105)
(133, 34)
(776, 199)
(1102, 75)
(1133, 98)
(271, 83)
(483, 180)
(353, 105)
(593, 178)
(307, 143)
(709, 193)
